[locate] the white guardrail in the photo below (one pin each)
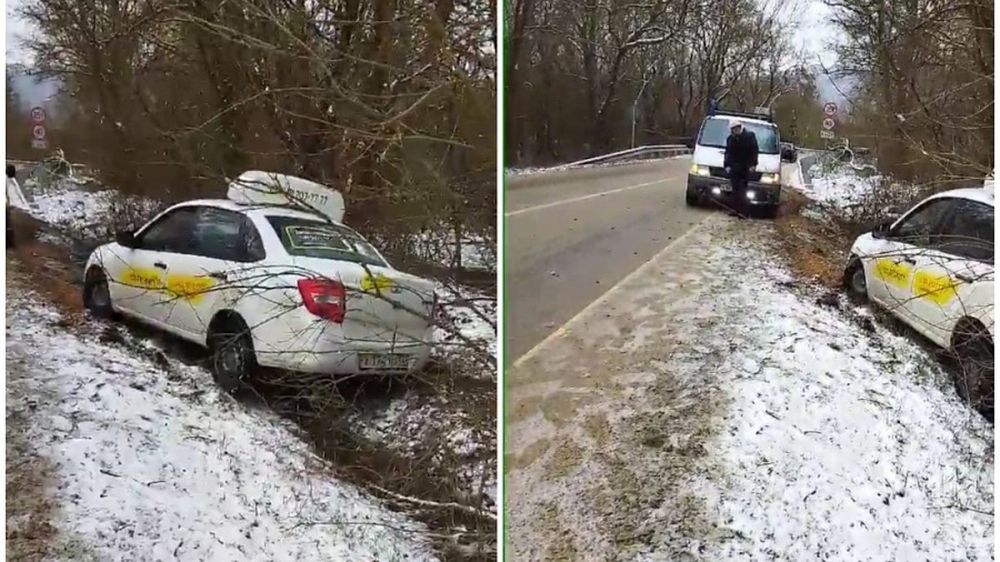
(637, 153)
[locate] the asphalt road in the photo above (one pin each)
(572, 235)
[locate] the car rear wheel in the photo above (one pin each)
(855, 282)
(96, 295)
(233, 359)
(974, 381)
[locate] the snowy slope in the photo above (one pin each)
(154, 464)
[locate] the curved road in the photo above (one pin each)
(572, 235)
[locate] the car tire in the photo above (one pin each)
(97, 295)
(770, 211)
(855, 282)
(692, 198)
(974, 381)
(233, 360)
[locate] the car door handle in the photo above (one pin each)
(160, 265)
(910, 261)
(219, 276)
(965, 277)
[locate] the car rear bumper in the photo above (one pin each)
(764, 194)
(301, 342)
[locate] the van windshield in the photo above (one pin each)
(715, 130)
(315, 239)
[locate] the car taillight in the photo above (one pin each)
(324, 298)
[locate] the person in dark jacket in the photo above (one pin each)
(740, 160)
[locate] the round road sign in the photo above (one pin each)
(38, 132)
(829, 124)
(830, 108)
(37, 115)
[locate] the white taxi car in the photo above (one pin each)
(268, 277)
(933, 269)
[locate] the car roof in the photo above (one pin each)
(972, 193)
(253, 209)
(742, 119)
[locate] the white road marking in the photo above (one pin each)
(561, 331)
(591, 196)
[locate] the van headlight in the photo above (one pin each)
(699, 170)
(769, 178)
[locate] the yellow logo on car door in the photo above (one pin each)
(936, 288)
(189, 287)
(893, 273)
(143, 278)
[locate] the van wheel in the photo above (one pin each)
(855, 282)
(974, 382)
(692, 198)
(233, 359)
(96, 294)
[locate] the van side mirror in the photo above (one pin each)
(11, 171)
(126, 239)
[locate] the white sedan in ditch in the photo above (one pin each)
(268, 277)
(933, 269)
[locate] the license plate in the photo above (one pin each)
(383, 361)
(726, 188)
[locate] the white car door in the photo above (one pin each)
(227, 244)
(891, 262)
(138, 272)
(954, 279)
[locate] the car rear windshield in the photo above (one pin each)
(314, 239)
(715, 131)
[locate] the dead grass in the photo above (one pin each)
(814, 251)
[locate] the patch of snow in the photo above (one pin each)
(470, 313)
(836, 443)
(66, 206)
(155, 464)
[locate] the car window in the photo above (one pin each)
(170, 233)
(920, 226)
(967, 231)
(315, 239)
(715, 131)
(226, 235)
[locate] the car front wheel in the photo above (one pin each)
(855, 282)
(96, 295)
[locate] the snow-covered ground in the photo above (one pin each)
(841, 440)
(154, 464)
(66, 204)
(718, 408)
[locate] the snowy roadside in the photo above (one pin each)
(715, 407)
(151, 462)
(840, 440)
(454, 400)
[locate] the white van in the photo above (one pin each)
(707, 179)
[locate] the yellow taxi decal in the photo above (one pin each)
(144, 278)
(377, 282)
(189, 287)
(893, 273)
(936, 288)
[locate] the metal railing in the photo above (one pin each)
(637, 153)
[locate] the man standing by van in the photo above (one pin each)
(740, 161)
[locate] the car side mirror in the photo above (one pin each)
(881, 231)
(126, 239)
(11, 171)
